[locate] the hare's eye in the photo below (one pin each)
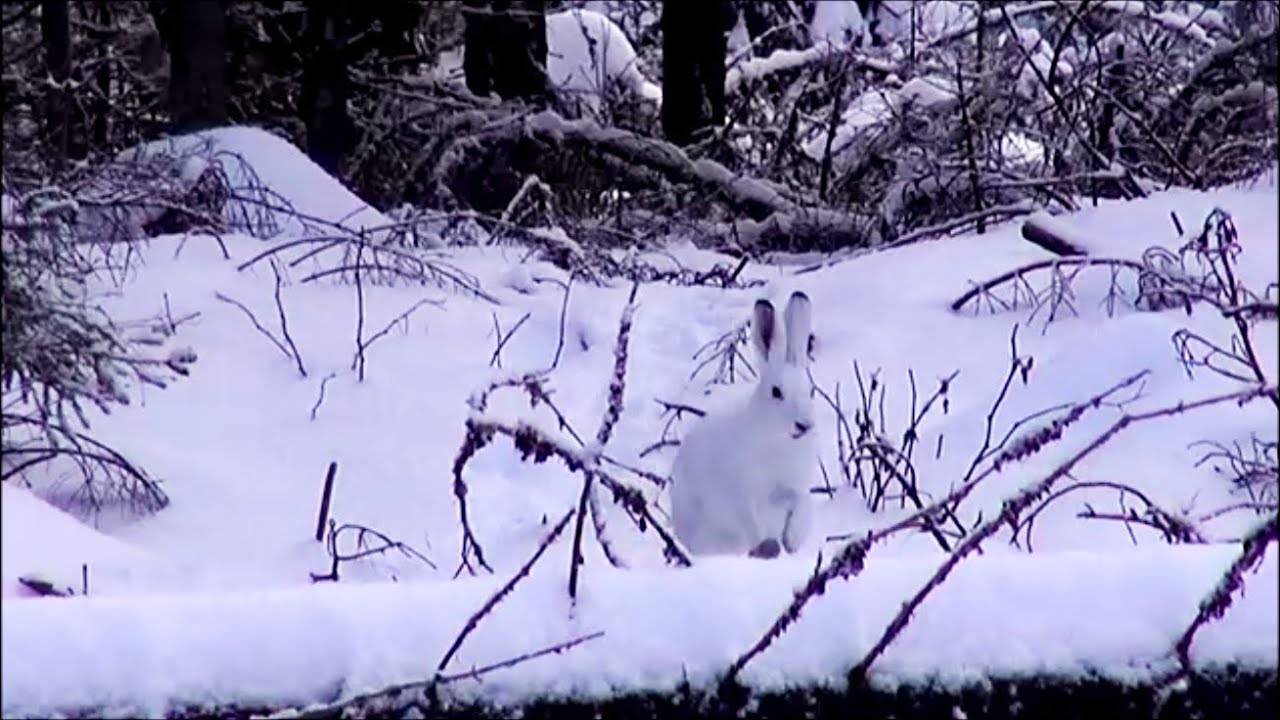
(777, 393)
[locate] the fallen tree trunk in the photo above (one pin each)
(1225, 692)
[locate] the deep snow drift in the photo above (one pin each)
(210, 600)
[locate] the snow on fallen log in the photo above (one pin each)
(757, 197)
(1073, 614)
(787, 59)
(1169, 20)
(769, 211)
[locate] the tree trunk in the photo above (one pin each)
(398, 22)
(505, 48)
(325, 88)
(693, 49)
(102, 111)
(55, 31)
(196, 32)
(870, 10)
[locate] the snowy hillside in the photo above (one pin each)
(211, 602)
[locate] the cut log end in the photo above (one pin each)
(1044, 231)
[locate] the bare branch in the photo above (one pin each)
(502, 592)
(1217, 602)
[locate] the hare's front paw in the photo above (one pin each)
(766, 549)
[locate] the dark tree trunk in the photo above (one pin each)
(505, 48)
(196, 33)
(55, 31)
(398, 21)
(476, 57)
(284, 33)
(870, 10)
(102, 110)
(693, 49)
(386, 29)
(325, 86)
(772, 26)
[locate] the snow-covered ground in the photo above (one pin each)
(210, 600)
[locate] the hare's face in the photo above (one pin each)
(784, 399)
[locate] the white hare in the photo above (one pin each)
(741, 479)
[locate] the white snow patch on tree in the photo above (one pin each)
(836, 21)
(587, 53)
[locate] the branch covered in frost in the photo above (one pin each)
(533, 443)
(1012, 508)
(1173, 527)
(1218, 601)
(590, 502)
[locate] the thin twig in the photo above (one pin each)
(502, 592)
(358, 361)
(556, 649)
(564, 307)
(284, 323)
(496, 358)
(253, 319)
(402, 317)
(320, 399)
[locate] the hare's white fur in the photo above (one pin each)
(741, 478)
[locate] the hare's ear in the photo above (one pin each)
(763, 328)
(799, 324)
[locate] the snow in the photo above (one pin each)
(1170, 20)
(274, 163)
(1018, 148)
(927, 92)
(1001, 615)
(932, 19)
(785, 59)
(42, 541)
(210, 602)
(586, 52)
(876, 107)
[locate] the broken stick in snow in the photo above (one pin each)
(1047, 232)
(324, 501)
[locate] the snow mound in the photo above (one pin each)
(39, 540)
(317, 199)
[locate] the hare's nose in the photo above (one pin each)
(802, 428)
